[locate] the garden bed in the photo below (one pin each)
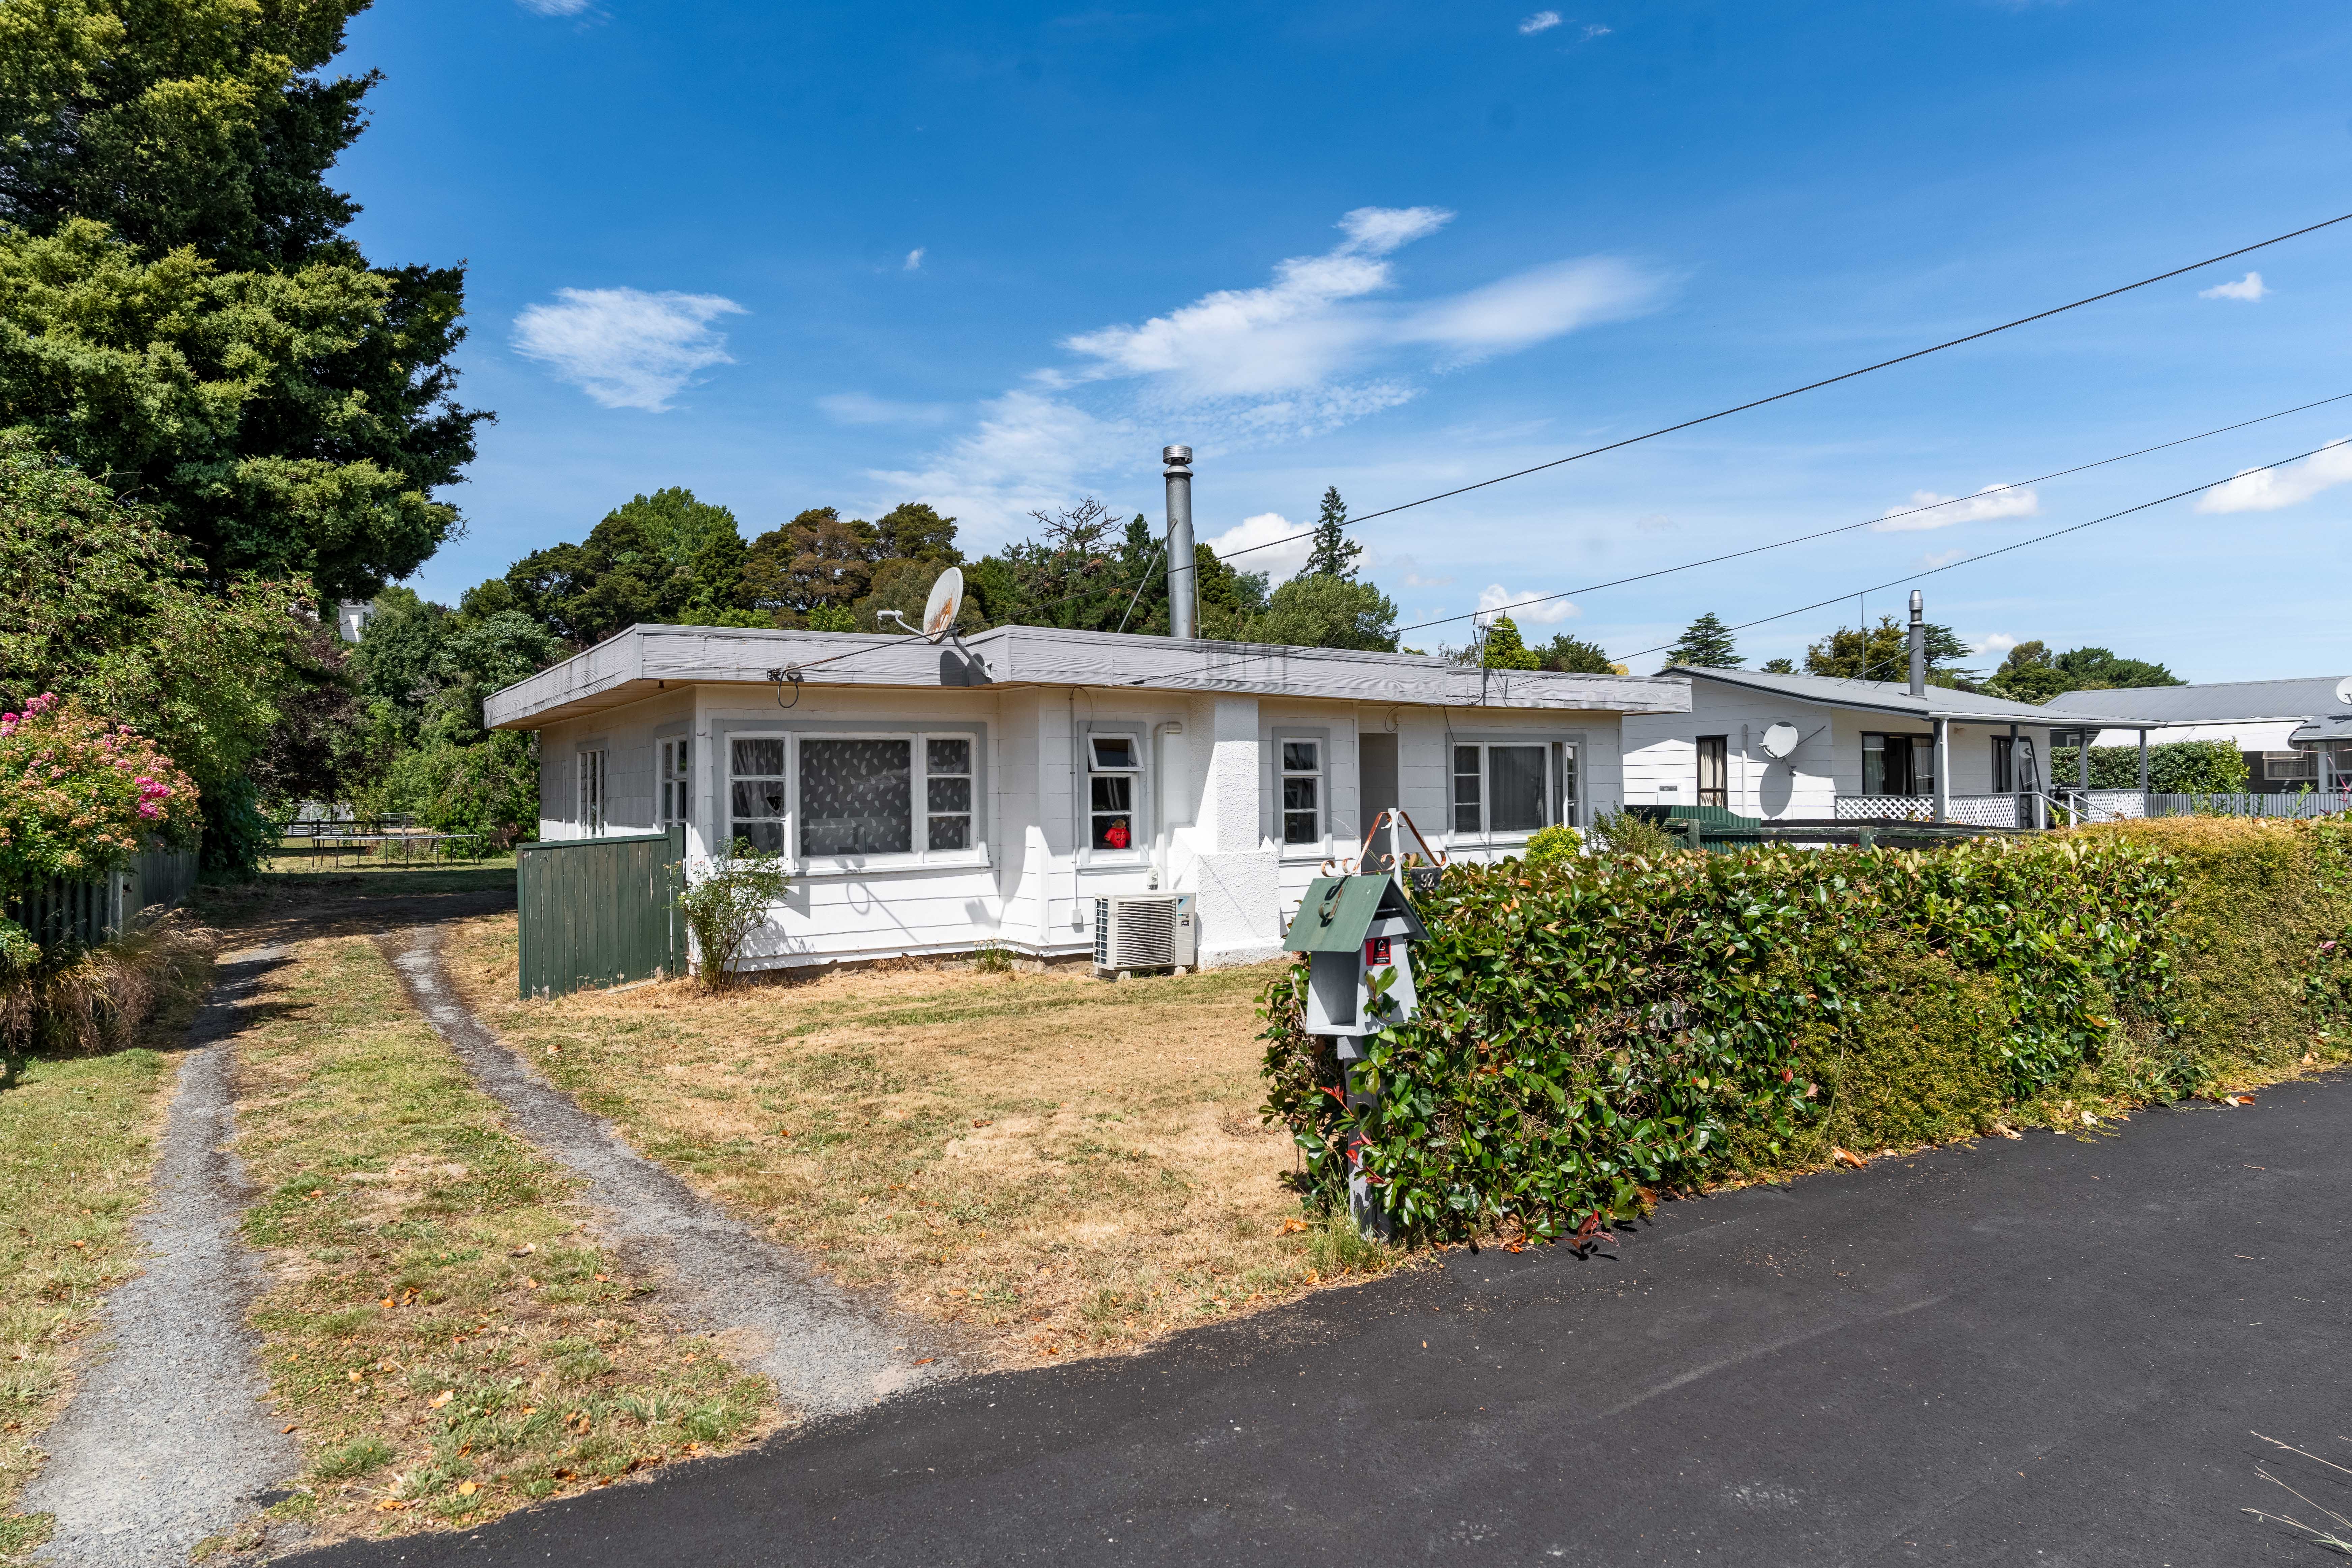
(1053, 1165)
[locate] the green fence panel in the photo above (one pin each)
(597, 912)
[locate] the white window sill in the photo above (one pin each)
(839, 867)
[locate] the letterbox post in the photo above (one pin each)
(1356, 933)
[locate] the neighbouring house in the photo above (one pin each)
(1848, 750)
(931, 798)
(2296, 734)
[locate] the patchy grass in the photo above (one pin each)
(442, 1333)
(78, 1140)
(1059, 1165)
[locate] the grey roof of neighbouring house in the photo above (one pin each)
(2222, 703)
(1886, 697)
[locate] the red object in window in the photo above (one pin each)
(1116, 835)
(1376, 950)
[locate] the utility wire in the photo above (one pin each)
(2004, 550)
(1816, 385)
(1758, 549)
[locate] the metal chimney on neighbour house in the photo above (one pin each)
(1184, 576)
(1918, 645)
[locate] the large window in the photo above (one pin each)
(591, 773)
(1302, 791)
(676, 780)
(858, 797)
(826, 795)
(1501, 788)
(1898, 764)
(1114, 771)
(2277, 765)
(2004, 764)
(1713, 768)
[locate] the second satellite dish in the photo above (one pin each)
(2343, 691)
(946, 603)
(1779, 740)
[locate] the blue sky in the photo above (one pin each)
(996, 256)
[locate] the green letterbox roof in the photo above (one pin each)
(1338, 912)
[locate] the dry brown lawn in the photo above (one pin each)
(1057, 1165)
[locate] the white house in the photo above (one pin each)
(1843, 750)
(2295, 734)
(931, 797)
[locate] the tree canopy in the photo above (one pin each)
(1883, 653)
(2031, 673)
(1707, 643)
(1332, 554)
(180, 311)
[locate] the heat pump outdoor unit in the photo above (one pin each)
(1145, 931)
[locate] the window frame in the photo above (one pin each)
(1921, 745)
(1319, 777)
(920, 856)
(1560, 803)
(674, 781)
(592, 789)
(1137, 774)
(2004, 763)
(1719, 748)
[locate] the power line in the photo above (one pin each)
(1781, 543)
(2004, 550)
(1816, 385)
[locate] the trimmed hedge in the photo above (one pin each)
(1593, 1030)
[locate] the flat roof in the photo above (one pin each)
(1893, 697)
(644, 660)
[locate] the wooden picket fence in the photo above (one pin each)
(89, 913)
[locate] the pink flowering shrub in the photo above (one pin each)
(79, 797)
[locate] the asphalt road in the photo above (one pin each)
(2050, 1352)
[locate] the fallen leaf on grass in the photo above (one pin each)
(467, 1489)
(442, 1398)
(2007, 1131)
(983, 1122)
(927, 1360)
(2089, 1119)
(1845, 1157)
(525, 1250)
(290, 1428)
(389, 1505)
(1289, 1226)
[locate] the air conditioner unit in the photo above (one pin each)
(1145, 931)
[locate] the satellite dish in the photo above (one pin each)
(1779, 740)
(946, 603)
(2343, 691)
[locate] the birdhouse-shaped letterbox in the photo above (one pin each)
(1353, 930)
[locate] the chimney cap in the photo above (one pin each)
(1916, 604)
(1176, 456)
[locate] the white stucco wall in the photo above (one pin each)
(1207, 818)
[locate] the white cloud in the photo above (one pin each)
(1258, 535)
(1994, 642)
(556, 7)
(1542, 22)
(1029, 451)
(914, 260)
(2249, 287)
(1595, 30)
(1993, 500)
(1654, 523)
(1276, 357)
(1494, 598)
(2268, 490)
(625, 348)
(863, 408)
(1942, 557)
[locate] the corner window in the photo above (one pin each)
(677, 779)
(1302, 791)
(1112, 771)
(756, 793)
(1502, 788)
(1898, 764)
(1714, 770)
(590, 816)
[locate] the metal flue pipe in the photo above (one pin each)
(1184, 575)
(1918, 645)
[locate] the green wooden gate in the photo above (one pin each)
(598, 911)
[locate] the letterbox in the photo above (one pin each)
(1353, 930)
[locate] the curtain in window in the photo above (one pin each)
(1515, 780)
(947, 793)
(858, 797)
(756, 794)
